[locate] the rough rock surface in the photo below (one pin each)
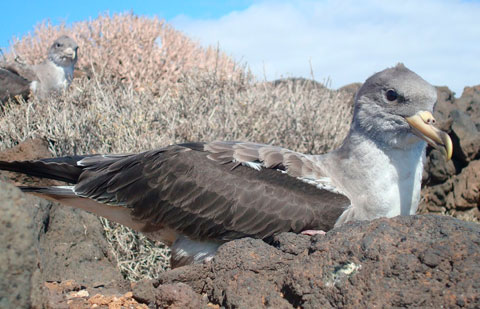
(18, 261)
(41, 242)
(69, 294)
(453, 187)
(465, 135)
(466, 187)
(176, 295)
(445, 104)
(469, 102)
(417, 261)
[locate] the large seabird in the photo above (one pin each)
(54, 74)
(196, 196)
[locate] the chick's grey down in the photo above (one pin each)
(196, 196)
(52, 75)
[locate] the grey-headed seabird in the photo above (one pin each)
(54, 74)
(196, 196)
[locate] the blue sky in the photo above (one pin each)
(29, 13)
(340, 41)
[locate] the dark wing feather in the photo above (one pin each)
(12, 84)
(62, 169)
(180, 187)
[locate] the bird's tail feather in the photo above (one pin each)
(63, 169)
(54, 190)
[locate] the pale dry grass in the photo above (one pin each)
(97, 117)
(108, 113)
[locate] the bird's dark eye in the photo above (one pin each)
(391, 95)
(58, 45)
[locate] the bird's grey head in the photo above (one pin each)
(63, 51)
(394, 107)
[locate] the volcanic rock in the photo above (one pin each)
(469, 102)
(466, 137)
(41, 242)
(414, 261)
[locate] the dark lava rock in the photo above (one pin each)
(435, 197)
(18, 239)
(466, 137)
(415, 261)
(445, 104)
(41, 242)
(466, 192)
(177, 295)
(469, 102)
(437, 168)
(73, 246)
(450, 186)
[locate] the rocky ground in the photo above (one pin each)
(57, 257)
(453, 187)
(417, 261)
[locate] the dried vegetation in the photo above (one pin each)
(136, 94)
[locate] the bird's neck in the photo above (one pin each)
(66, 67)
(65, 72)
(380, 180)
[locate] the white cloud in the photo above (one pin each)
(349, 40)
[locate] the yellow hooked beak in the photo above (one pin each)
(70, 52)
(422, 126)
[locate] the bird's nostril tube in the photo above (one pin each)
(431, 121)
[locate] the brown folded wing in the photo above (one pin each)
(180, 187)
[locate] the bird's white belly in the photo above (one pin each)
(388, 186)
(396, 185)
(376, 195)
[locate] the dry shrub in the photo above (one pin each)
(139, 50)
(101, 115)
